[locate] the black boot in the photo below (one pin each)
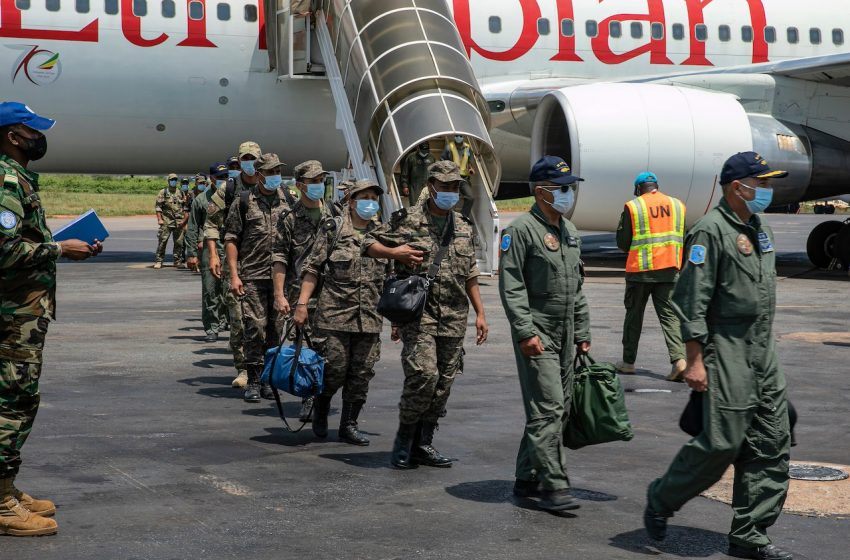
(252, 391)
(348, 431)
(424, 453)
(321, 409)
(401, 447)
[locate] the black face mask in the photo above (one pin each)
(35, 148)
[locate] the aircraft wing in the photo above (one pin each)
(831, 69)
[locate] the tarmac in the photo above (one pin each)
(150, 454)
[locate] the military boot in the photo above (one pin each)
(241, 380)
(401, 457)
(424, 453)
(769, 552)
(44, 508)
(321, 409)
(252, 389)
(18, 521)
(348, 431)
(266, 392)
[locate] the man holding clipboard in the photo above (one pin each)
(28, 255)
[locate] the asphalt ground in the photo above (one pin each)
(150, 454)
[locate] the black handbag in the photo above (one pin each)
(691, 421)
(403, 297)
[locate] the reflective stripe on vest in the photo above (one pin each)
(658, 232)
(462, 163)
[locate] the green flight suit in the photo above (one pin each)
(726, 300)
(540, 283)
(640, 286)
(213, 310)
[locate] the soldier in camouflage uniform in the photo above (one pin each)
(213, 313)
(28, 257)
(347, 326)
(433, 346)
(170, 215)
(252, 223)
(238, 180)
(295, 236)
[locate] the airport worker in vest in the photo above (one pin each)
(540, 283)
(652, 232)
(726, 301)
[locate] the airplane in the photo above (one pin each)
(614, 86)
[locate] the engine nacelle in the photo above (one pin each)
(610, 132)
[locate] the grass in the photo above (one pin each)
(106, 204)
(515, 204)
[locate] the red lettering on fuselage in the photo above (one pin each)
(131, 26)
(10, 26)
(657, 47)
(530, 14)
(696, 16)
(196, 29)
(566, 45)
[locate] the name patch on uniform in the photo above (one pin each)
(697, 255)
(572, 241)
(765, 244)
(8, 220)
(506, 242)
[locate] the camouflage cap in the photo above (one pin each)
(345, 185)
(445, 171)
(365, 185)
(309, 169)
(172, 176)
(269, 161)
(252, 148)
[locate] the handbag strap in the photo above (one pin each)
(448, 234)
(300, 336)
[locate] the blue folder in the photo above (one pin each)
(87, 227)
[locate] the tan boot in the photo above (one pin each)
(18, 521)
(625, 367)
(44, 508)
(679, 367)
(241, 380)
(157, 266)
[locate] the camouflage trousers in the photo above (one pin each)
(21, 342)
(166, 230)
(350, 359)
(234, 314)
(430, 365)
(262, 322)
(212, 298)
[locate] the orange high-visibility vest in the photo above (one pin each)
(658, 232)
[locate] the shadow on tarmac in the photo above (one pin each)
(365, 460)
(685, 542)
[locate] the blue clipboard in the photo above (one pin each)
(87, 227)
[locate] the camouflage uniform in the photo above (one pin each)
(294, 236)
(27, 304)
(214, 229)
(433, 347)
(212, 296)
(254, 239)
(171, 206)
(346, 320)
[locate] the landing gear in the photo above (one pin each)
(830, 241)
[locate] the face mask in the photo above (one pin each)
(459, 139)
(201, 188)
(248, 167)
(33, 148)
(233, 173)
(273, 182)
(172, 184)
(184, 188)
(220, 184)
(367, 209)
(563, 201)
(316, 191)
(446, 200)
(760, 203)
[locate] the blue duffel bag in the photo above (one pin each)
(294, 368)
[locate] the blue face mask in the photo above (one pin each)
(220, 184)
(184, 188)
(172, 183)
(761, 202)
(273, 182)
(233, 173)
(459, 139)
(316, 191)
(446, 200)
(201, 188)
(248, 167)
(563, 201)
(367, 209)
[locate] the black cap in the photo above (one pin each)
(554, 170)
(748, 164)
(218, 170)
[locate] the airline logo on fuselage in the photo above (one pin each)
(39, 66)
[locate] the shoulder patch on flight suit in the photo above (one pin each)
(697, 255)
(765, 244)
(506, 242)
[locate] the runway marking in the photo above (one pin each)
(841, 338)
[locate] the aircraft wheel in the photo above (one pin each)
(842, 245)
(821, 245)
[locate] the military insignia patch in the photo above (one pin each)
(506, 242)
(551, 242)
(697, 255)
(745, 246)
(8, 220)
(765, 244)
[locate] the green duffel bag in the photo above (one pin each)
(598, 413)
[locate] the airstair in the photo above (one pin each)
(399, 76)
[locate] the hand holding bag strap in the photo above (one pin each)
(448, 235)
(298, 343)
